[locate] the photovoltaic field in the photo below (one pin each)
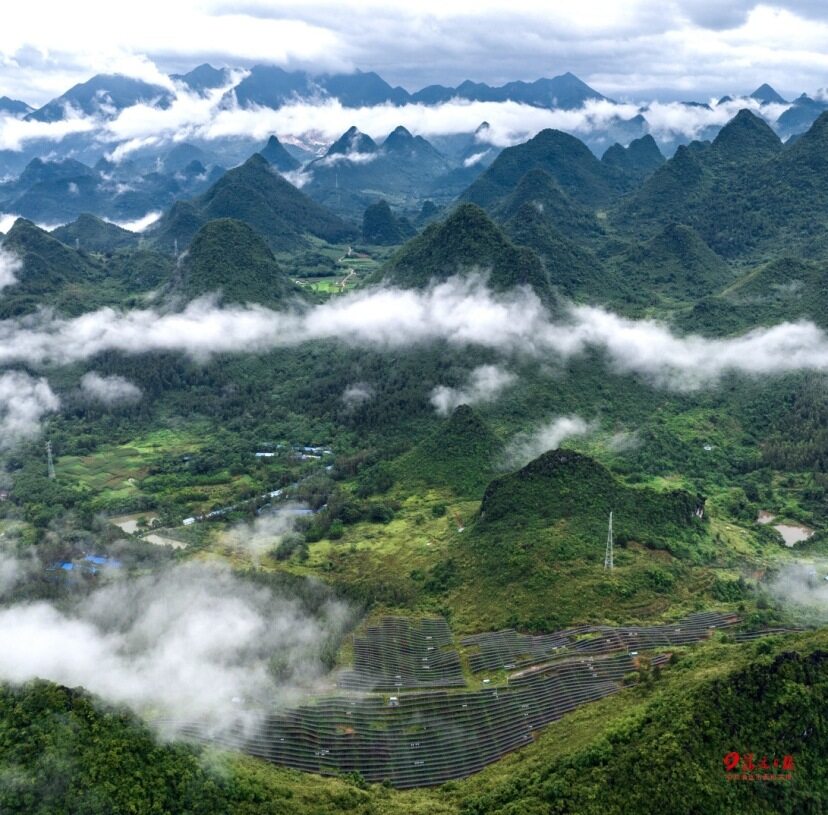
(406, 715)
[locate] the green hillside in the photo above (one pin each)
(573, 270)
(259, 196)
(569, 488)
(51, 273)
(671, 194)
(540, 190)
(786, 289)
(638, 160)
(94, 235)
(381, 228)
(227, 256)
(565, 158)
(460, 454)
(676, 264)
(745, 195)
(276, 155)
(534, 556)
(467, 240)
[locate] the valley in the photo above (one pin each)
(383, 480)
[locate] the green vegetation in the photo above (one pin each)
(95, 235)
(276, 155)
(744, 194)
(380, 227)
(412, 513)
(461, 454)
(676, 264)
(639, 159)
(567, 216)
(574, 271)
(228, 256)
(563, 157)
(75, 281)
(260, 197)
(466, 241)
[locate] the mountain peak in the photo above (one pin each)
(459, 454)
(227, 255)
(766, 95)
(352, 140)
(203, 77)
(640, 158)
(467, 240)
(276, 155)
(746, 136)
(398, 139)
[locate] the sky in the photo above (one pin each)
(639, 49)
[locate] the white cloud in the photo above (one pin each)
(357, 394)
(109, 390)
(475, 158)
(297, 177)
(7, 221)
(461, 312)
(192, 116)
(642, 45)
(193, 643)
(15, 133)
(265, 534)
(24, 401)
(10, 265)
(802, 586)
(139, 224)
(624, 441)
(351, 158)
(485, 384)
(548, 436)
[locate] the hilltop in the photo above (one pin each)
(676, 263)
(282, 214)
(566, 159)
(571, 269)
(539, 189)
(227, 256)
(460, 454)
(95, 235)
(355, 170)
(467, 240)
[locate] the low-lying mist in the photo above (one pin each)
(193, 643)
(802, 587)
(461, 312)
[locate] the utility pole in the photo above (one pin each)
(608, 564)
(50, 460)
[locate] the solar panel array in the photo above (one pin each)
(429, 737)
(400, 652)
(436, 731)
(509, 649)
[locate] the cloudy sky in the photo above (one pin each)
(636, 49)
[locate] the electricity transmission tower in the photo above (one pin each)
(50, 460)
(608, 564)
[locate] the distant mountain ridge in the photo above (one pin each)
(272, 86)
(356, 171)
